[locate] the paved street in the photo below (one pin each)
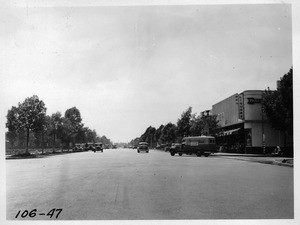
(122, 184)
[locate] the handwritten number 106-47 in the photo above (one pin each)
(34, 213)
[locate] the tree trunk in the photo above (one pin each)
(27, 141)
(43, 142)
(53, 145)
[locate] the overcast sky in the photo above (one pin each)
(128, 67)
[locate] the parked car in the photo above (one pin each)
(89, 146)
(160, 146)
(98, 147)
(175, 147)
(167, 147)
(143, 146)
(78, 148)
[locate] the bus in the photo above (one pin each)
(199, 145)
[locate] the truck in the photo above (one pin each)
(199, 145)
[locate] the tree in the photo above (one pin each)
(169, 133)
(91, 135)
(66, 132)
(73, 114)
(158, 134)
(32, 114)
(104, 140)
(71, 124)
(196, 125)
(149, 136)
(12, 124)
(55, 127)
(203, 125)
(41, 130)
(81, 135)
(21, 137)
(209, 124)
(183, 124)
(278, 105)
(134, 142)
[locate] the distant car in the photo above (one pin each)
(89, 146)
(143, 146)
(175, 147)
(98, 147)
(167, 147)
(78, 148)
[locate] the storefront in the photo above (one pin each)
(243, 125)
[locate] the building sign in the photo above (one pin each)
(194, 143)
(241, 106)
(254, 100)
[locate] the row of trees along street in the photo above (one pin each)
(29, 126)
(188, 124)
(277, 106)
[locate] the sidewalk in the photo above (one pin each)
(280, 161)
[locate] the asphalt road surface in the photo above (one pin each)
(122, 184)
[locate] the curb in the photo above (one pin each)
(281, 163)
(270, 162)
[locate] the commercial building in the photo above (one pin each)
(243, 125)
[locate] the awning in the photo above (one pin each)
(230, 132)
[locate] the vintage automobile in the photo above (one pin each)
(143, 146)
(98, 147)
(89, 146)
(175, 147)
(78, 147)
(199, 145)
(167, 147)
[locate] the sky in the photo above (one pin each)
(130, 67)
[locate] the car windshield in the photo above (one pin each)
(143, 143)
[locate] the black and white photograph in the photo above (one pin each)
(165, 112)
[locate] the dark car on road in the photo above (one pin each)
(98, 147)
(143, 147)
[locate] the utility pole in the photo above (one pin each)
(263, 131)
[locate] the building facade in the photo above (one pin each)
(243, 125)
